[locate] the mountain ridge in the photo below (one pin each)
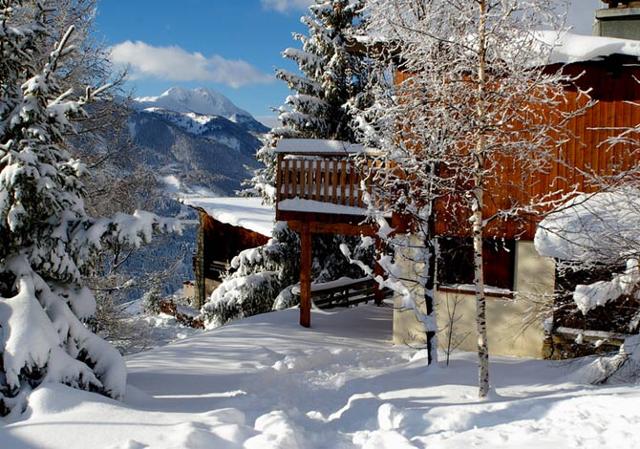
(198, 106)
(197, 135)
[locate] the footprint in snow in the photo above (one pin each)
(131, 444)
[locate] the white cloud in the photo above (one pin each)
(286, 5)
(175, 64)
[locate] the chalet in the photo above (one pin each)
(525, 282)
(227, 226)
(320, 191)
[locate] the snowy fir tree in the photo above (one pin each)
(47, 239)
(330, 76)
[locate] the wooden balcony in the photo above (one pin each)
(320, 190)
(334, 181)
(316, 184)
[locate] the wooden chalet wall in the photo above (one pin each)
(222, 242)
(613, 84)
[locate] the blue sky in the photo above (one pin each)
(232, 46)
(253, 31)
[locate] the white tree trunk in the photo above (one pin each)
(478, 203)
(478, 280)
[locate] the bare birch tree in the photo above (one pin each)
(474, 105)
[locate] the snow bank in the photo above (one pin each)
(267, 383)
(248, 213)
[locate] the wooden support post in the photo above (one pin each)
(305, 275)
(378, 294)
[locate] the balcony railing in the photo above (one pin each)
(329, 180)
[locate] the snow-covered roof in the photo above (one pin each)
(317, 146)
(569, 47)
(248, 213)
(591, 226)
(566, 47)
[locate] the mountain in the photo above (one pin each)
(191, 141)
(200, 102)
(196, 138)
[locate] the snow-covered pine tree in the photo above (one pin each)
(47, 238)
(330, 76)
(477, 99)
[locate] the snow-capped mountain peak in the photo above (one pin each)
(199, 101)
(195, 110)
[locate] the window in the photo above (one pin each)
(455, 265)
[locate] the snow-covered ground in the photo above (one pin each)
(265, 383)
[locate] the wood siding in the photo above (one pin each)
(222, 242)
(613, 85)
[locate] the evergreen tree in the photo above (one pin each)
(330, 77)
(47, 239)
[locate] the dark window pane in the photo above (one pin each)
(455, 265)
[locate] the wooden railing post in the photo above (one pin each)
(343, 183)
(279, 179)
(318, 178)
(286, 177)
(334, 181)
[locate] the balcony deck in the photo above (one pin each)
(319, 181)
(320, 190)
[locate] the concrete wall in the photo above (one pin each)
(407, 329)
(508, 332)
(618, 22)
